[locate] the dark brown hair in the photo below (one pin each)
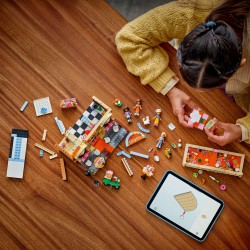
(212, 51)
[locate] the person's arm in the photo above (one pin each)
(244, 123)
(139, 41)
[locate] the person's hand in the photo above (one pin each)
(231, 133)
(179, 100)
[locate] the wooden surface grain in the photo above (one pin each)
(66, 49)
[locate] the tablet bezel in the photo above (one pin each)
(172, 222)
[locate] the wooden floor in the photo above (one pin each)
(65, 48)
(130, 9)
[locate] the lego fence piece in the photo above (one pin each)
(44, 149)
(127, 167)
(214, 160)
(63, 170)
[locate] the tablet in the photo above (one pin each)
(185, 206)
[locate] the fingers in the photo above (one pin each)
(220, 140)
(183, 119)
(191, 104)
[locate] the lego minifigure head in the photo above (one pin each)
(158, 111)
(138, 101)
(126, 109)
(163, 134)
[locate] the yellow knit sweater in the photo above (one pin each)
(138, 42)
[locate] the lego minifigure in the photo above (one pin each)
(137, 107)
(117, 102)
(157, 117)
(160, 140)
(127, 114)
(147, 171)
(146, 120)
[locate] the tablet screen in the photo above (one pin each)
(185, 205)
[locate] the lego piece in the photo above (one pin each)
(179, 143)
(150, 150)
(223, 187)
(195, 175)
(16, 160)
(68, 103)
(146, 120)
(96, 183)
(127, 114)
(24, 106)
(108, 180)
(143, 129)
(60, 125)
(210, 159)
(53, 156)
(156, 158)
(44, 134)
(92, 139)
(173, 145)
(45, 149)
(139, 154)
(171, 126)
(157, 117)
(134, 137)
(147, 171)
(41, 153)
(198, 119)
(124, 153)
(117, 102)
(127, 167)
(211, 123)
(137, 107)
(63, 170)
(200, 172)
(168, 152)
(213, 178)
(161, 140)
(42, 104)
(203, 181)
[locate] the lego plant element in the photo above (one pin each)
(117, 102)
(168, 152)
(147, 171)
(127, 114)
(137, 108)
(161, 140)
(68, 103)
(157, 117)
(108, 180)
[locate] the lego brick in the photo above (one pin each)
(24, 106)
(139, 154)
(127, 166)
(143, 129)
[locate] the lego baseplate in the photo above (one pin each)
(92, 139)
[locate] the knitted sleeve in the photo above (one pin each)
(246, 122)
(138, 42)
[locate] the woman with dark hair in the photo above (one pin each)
(214, 52)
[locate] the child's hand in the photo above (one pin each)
(232, 133)
(179, 100)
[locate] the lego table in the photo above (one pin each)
(62, 49)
